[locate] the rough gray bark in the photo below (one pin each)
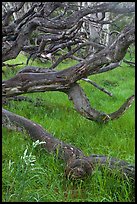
(82, 105)
(36, 80)
(22, 28)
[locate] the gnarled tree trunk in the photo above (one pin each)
(58, 27)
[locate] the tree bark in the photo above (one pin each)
(63, 31)
(78, 166)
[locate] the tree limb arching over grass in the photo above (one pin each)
(64, 32)
(29, 81)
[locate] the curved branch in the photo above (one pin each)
(77, 164)
(28, 80)
(129, 62)
(123, 108)
(82, 105)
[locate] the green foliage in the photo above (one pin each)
(30, 174)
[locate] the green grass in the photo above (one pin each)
(42, 180)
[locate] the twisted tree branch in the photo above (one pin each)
(82, 105)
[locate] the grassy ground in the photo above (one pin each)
(31, 174)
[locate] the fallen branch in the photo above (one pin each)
(78, 166)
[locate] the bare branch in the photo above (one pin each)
(97, 86)
(82, 105)
(123, 108)
(12, 65)
(129, 62)
(107, 68)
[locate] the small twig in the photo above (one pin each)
(97, 86)
(12, 65)
(77, 58)
(129, 62)
(107, 68)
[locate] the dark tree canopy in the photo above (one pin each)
(95, 34)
